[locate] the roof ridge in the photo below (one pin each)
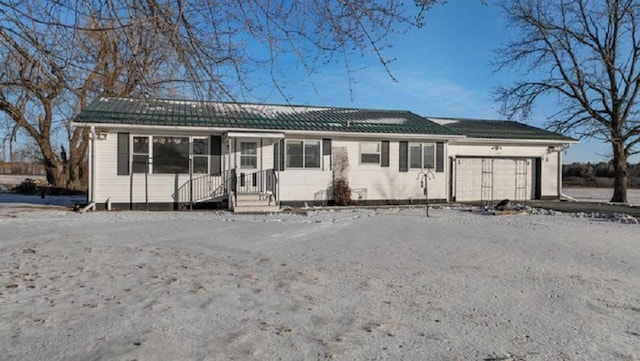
(255, 104)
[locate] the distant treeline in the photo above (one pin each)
(596, 175)
(22, 168)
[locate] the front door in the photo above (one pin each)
(249, 164)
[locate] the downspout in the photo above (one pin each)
(232, 180)
(560, 172)
(278, 195)
(560, 193)
(92, 170)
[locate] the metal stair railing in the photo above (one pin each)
(262, 182)
(203, 188)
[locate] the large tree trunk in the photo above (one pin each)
(620, 172)
(69, 176)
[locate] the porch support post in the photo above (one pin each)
(277, 161)
(231, 186)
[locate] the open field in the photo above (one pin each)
(347, 285)
(13, 179)
(600, 194)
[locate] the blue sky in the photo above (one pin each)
(443, 69)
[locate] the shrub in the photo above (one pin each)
(28, 186)
(341, 192)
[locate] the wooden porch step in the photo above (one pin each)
(254, 196)
(255, 203)
(255, 199)
(256, 209)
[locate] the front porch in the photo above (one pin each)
(243, 192)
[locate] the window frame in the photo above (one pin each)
(378, 153)
(253, 156)
(422, 146)
(148, 165)
(205, 155)
(163, 161)
(305, 143)
(190, 159)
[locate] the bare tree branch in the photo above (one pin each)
(586, 54)
(61, 54)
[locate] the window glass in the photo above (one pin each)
(415, 156)
(200, 155)
(370, 153)
(140, 163)
(294, 154)
(140, 156)
(303, 154)
(141, 145)
(428, 158)
(171, 155)
(248, 155)
(200, 164)
(201, 146)
(312, 154)
(370, 147)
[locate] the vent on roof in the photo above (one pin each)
(388, 121)
(443, 121)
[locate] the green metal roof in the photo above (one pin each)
(182, 113)
(498, 129)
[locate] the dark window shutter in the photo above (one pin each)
(326, 150)
(439, 157)
(123, 153)
(384, 157)
(278, 155)
(404, 156)
(216, 154)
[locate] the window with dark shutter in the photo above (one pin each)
(370, 153)
(404, 156)
(439, 157)
(123, 153)
(384, 161)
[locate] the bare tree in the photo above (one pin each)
(586, 54)
(61, 54)
(54, 69)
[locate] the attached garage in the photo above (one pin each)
(494, 178)
(503, 160)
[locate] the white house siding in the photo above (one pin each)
(109, 186)
(468, 168)
(368, 182)
(306, 184)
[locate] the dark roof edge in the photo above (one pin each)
(259, 104)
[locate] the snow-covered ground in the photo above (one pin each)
(385, 284)
(7, 199)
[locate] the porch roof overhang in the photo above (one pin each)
(254, 134)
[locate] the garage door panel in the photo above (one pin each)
(506, 178)
(468, 178)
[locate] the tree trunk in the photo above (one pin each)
(71, 175)
(620, 172)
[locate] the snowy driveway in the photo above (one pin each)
(351, 285)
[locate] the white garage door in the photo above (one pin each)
(493, 179)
